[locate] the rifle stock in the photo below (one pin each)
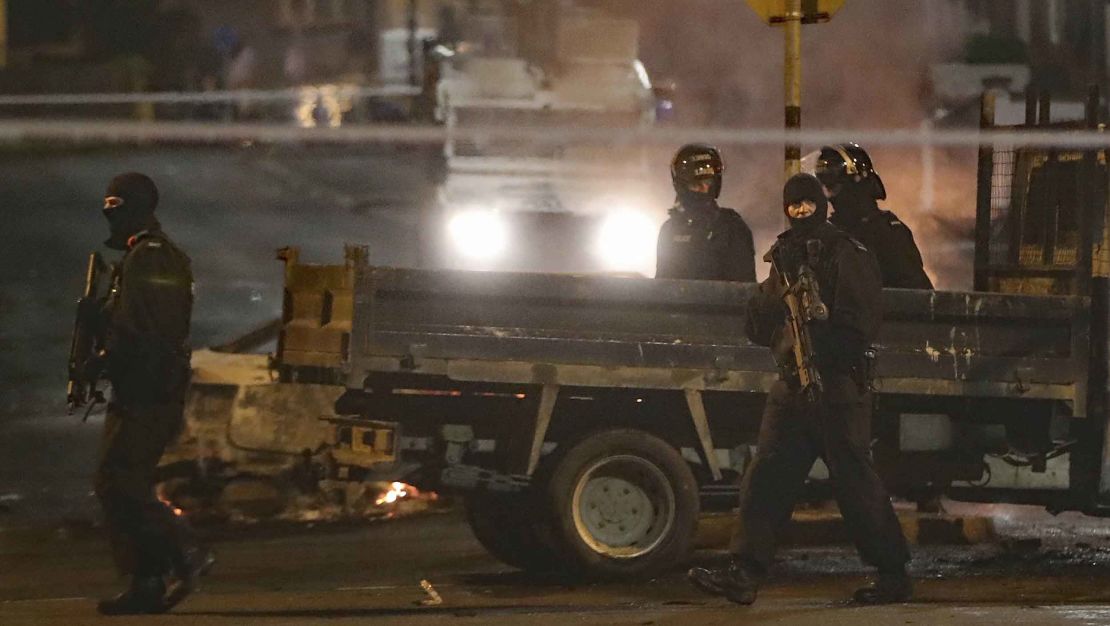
(87, 339)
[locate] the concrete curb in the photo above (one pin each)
(823, 527)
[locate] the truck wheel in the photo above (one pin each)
(623, 504)
(508, 528)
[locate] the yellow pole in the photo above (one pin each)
(3, 34)
(792, 25)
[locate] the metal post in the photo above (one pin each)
(1019, 195)
(1088, 215)
(1045, 111)
(1051, 221)
(983, 198)
(792, 26)
(414, 69)
(3, 34)
(1030, 107)
(1096, 47)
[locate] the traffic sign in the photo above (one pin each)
(813, 11)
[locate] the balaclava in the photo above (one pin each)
(136, 214)
(854, 201)
(695, 201)
(804, 202)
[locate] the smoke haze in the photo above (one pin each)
(866, 69)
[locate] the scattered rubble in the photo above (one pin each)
(8, 501)
(254, 500)
(433, 599)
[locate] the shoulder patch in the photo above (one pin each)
(892, 219)
(148, 244)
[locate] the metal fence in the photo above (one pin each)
(1040, 208)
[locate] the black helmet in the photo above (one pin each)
(848, 164)
(697, 162)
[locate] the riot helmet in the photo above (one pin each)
(696, 173)
(847, 165)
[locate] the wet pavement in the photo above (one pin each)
(1044, 571)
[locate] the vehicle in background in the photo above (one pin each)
(538, 202)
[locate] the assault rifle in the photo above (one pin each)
(802, 296)
(87, 341)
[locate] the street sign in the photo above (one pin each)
(813, 11)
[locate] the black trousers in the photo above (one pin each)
(147, 538)
(792, 436)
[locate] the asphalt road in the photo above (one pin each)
(371, 574)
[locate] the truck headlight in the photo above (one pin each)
(626, 242)
(479, 234)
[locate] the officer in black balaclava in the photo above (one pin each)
(129, 204)
(855, 188)
(701, 240)
(835, 427)
(146, 359)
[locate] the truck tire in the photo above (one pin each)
(623, 504)
(509, 529)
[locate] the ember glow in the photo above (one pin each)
(165, 500)
(397, 491)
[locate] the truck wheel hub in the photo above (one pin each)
(624, 506)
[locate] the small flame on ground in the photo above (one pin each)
(166, 501)
(397, 491)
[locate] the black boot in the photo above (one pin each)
(887, 588)
(736, 582)
(143, 597)
(196, 561)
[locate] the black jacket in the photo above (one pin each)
(148, 313)
(850, 284)
(715, 244)
(892, 243)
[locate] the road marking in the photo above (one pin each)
(387, 587)
(43, 600)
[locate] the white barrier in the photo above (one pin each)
(15, 130)
(204, 97)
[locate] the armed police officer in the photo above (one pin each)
(146, 358)
(854, 187)
(701, 240)
(801, 423)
